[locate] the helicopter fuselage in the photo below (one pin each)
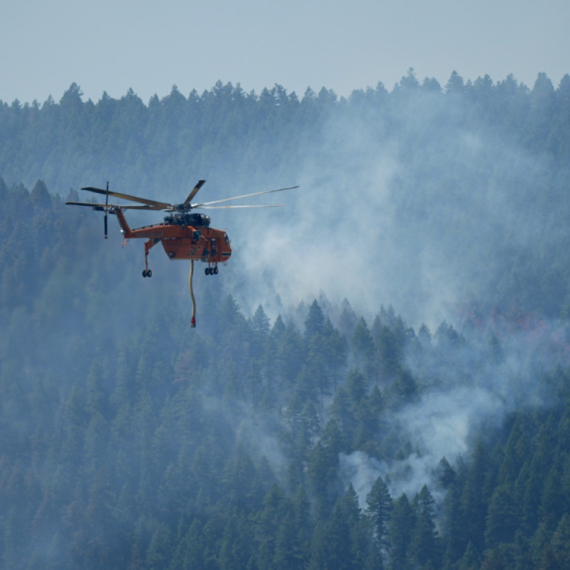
(181, 241)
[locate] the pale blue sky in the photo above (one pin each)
(114, 45)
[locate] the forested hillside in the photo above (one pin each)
(452, 192)
(311, 420)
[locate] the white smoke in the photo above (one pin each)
(378, 225)
(472, 395)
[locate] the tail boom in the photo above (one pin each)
(125, 229)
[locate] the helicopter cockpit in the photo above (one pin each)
(196, 220)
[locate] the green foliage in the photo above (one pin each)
(402, 523)
(424, 546)
(131, 441)
(379, 510)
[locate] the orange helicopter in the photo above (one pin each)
(183, 234)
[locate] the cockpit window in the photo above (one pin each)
(227, 238)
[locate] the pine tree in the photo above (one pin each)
(159, 550)
(502, 519)
(267, 527)
(342, 412)
(235, 551)
(379, 511)
(470, 560)
(401, 529)
(290, 548)
(473, 500)
(189, 553)
(320, 558)
(363, 344)
(260, 332)
(561, 542)
(342, 529)
(356, 386)
(322, 467)
(389, 353)
(553, 502)
(315, 321)
(424, 546)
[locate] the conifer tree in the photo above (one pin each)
(424, 546)
(288, 548)
(268, 525)
(402, 523)
(379, 511)
(235, 551)
(315, 321)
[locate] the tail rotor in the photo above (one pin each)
(106, 209)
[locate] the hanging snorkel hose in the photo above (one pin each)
(193, 319)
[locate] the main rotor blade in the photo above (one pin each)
(244, 196)
(256, 206)
(152, 203)
(194, 192)
(101, 207)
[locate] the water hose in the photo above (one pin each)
(193, 320)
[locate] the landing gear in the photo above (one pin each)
(147, 246)
(211, 271)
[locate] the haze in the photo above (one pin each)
(112, 46)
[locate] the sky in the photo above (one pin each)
(115, 45)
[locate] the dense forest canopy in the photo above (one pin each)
(453, 192)
(312, 420)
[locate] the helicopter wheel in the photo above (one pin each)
(149, 273)
(207, 271)
(215, 270)
(144, 273)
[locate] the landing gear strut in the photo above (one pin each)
(147, 246)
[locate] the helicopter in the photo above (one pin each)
(183, 234)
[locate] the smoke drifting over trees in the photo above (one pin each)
(312, 420)
(418, 198)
